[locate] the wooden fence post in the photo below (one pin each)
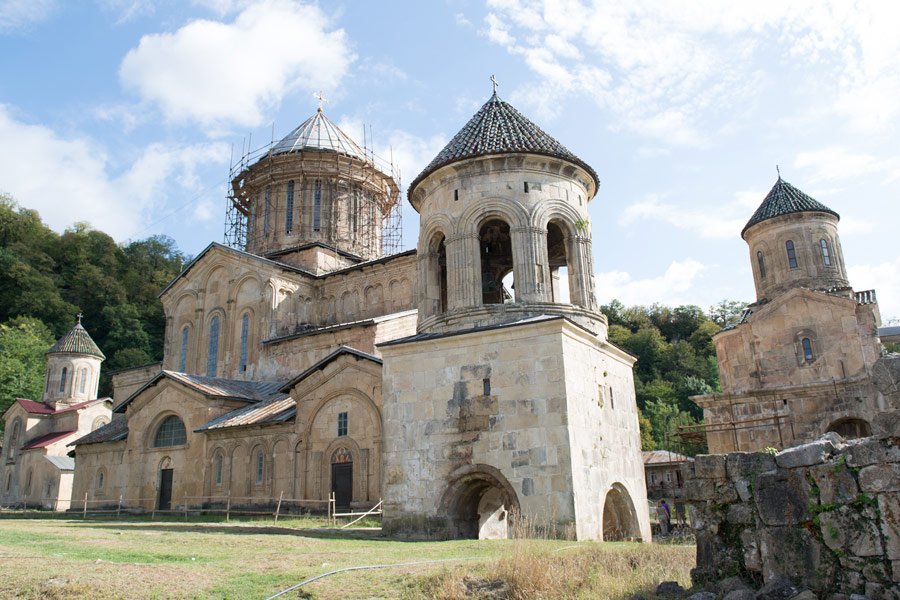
(119, 508)
(84, 510)
(278, 508)
(228, 508)
(185, 506)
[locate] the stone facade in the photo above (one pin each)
(826, 514)
(799, 361)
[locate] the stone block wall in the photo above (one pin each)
(825, 514)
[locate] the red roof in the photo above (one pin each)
(39, 408)
(46, 440)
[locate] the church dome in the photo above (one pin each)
(77, 341)
(319, 134)
(498, 128)
(785, 199)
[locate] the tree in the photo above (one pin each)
(23, 342)
(726, 312)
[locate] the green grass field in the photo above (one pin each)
(138, 558)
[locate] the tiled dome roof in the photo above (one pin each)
(318, 133)
(498, 128)
(76, 341)
(784, 199)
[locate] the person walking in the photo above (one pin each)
(664, 517)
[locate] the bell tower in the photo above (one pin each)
(73, 369)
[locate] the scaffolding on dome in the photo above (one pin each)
(355, 194)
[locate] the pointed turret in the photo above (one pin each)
(784, 199)
(73, 368)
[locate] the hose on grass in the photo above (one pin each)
(418, 562)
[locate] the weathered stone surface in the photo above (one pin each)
(669, 588)
(889, 515)
(777, 588)
(782, 499)
(750, 543)
(792, 552)
(748, 464)
(806, 455)
(805, 595)
(709, 466)
(739, 514)
(725, 493)
(880, 478)
(740, 595)
(730, 584)
(742, 487)
(877, 571)
(886, 425)
(699, 490)
(869, 451)
(702, 596)
(895, 568)
(886, 375)
(835, 482)
(851, 531)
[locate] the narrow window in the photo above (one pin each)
(245, 328)
(268, 208)
(792, 256)
(213, 352)
(62, 380)
(342, 424)
(762, 265)
(487, 386)
(526, 187)
(652, 477)
(13, 444)
(83, 379)
(826, 256)
(100, 480)
(8, 481)
(668, 476)
(28, 483)
(289, 218)
(260, 463)
(182, 365)
(612, 400)
(317, 205)
(807, 349)
(455, 195)
(47, 381)
(219, 469)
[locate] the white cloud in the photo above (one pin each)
(19, 14)
(677, 71)
(221, 74)
(720, 222)
(69, 179)
(837, 162)
(669, 288)
(884, 278)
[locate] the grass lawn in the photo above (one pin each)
(138, 558)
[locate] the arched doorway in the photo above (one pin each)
(496, 262)
(342, 478)
(851, 428)
(619, 517)
(437, 274)
(166, 475)
(557, 259)
(477, 504)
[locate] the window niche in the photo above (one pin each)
(497, 283)
(171, 432)
(806, 347)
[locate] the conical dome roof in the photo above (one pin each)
(77, 341)
(784, 199)
(498, 128)
(319, 134)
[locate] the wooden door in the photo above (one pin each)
(165, 490)
(342, 484)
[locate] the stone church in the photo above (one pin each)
(801, 360)
(467, 383)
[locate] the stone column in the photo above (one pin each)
(463, 270)
(581, 262)
(531, 272)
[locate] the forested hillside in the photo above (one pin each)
(46, 279)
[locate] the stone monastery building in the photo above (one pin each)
(455, 381)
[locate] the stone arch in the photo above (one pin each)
(282, 467)
(400, 294)
(99, 422)
(851, 427)
(218, 479)
(150, 436)
(14, 441)
(559, 210)
(806, 347)
(493, 208)
(497, 258)
(619, 517)
(477, 501)
(374, 299)
(433, 274)
(260, 469)
(343, 446)
(239, 477)
(367, 402)
(437, 223)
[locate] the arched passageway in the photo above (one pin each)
(619, 517)
(478, 504)
(557, 259)
(496, 261)
(851, 428)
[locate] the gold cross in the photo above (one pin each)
(321, 99)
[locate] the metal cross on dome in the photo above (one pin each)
(321, 99)
(79, 315)
(494, 81)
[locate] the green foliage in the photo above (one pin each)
(52, 277)
(726, 312)
(23, 342)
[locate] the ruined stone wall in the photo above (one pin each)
(826, 514)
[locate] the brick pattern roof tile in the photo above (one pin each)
(45, 440)
(498, 128)
(115, 430)
(77, 341)
(784, 199)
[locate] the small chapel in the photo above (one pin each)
(466, 383)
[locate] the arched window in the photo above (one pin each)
(558, 263)
(260, 466)
(219, 461)
(762, 265)
(792, 256)
(317, 205)
(807, 349)
(496, 262)
(212, 353)
(170, 432)
(99, 422)
(83, 381)
(245, 329)
(268, 208)
(182, 363)
(62, 380)
(100, 480)
(289, 217)
(826, 255)
(28, 482)
(13, 444)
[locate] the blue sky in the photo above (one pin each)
(126, 114)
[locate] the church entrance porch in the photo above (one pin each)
(342, 484)
(478, 504)
(619, 518)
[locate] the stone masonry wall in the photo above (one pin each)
(826, 514)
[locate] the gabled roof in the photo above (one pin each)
(77, 341)
(661, 457)
(262, 413)
(39, 408)
(63, 463)
(319, 134)
(115, 430)
(214, 387)
(784, 199)
(498, 128)
(340, 351)
(45, 440)
(237, 252)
